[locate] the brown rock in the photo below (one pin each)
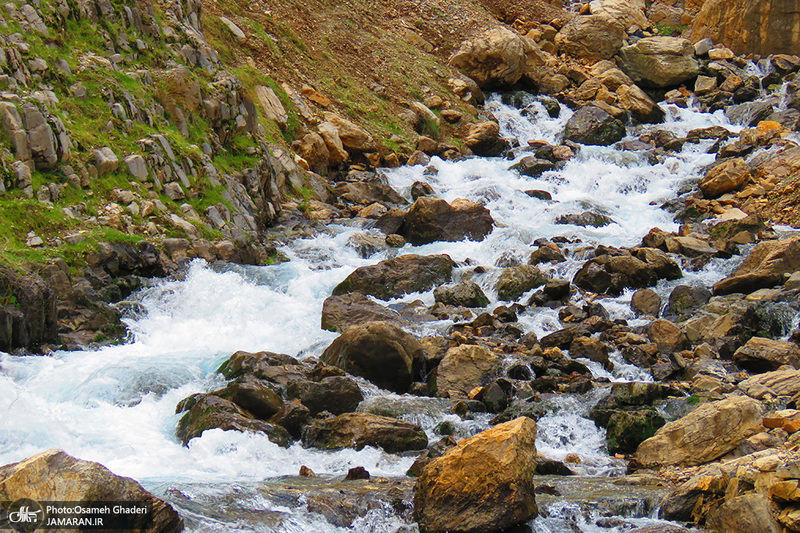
(352, 136)
(659, 61)
(752, 512)
(705, 434)
(395, 277)
(377, 351)
(591, 37)
(499, 57)
(484, 139)
(353, 309)
(485, 483)
(725, 177)
(592, 349)
(56, 476)
(646, 302)
(764, 355)
(764, 267)
(433, 219)
(769, 27)
(667, 336)
(357, 430)
(464, 368)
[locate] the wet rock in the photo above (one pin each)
(253, 396)
(749, 113)
(54, 475)
(725, 177)
(764, 267)
(646, 302)
(335, 394)
(684, 298)
(433, 219)
(357, 473)
(393, 278)
(357, 430)
(626, 430)
(464, 368)
(592, 349)
(498, 58)
(546, 253)
(466, 293)
(496, 492)
(705, 434)
(591, 37)
(659, 61)
(257, 364)
(380, 352)
(549, 467)
(354, 309)
(592, 125)
(434, 451)
(210, 412)
(516, 281)
(532, 166)
(764, 355)
(587, 218)
(293, 416)
(611, 273)
(484, 139)
(420, 189)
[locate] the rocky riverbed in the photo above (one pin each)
(584, 317)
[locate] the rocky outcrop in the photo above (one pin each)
(703, 435)
(498, 58)
(659, 61)
(378, 351)
(433, 219)
(56, 476)
(764, 267)
(357, 430)
(592, 125)
(495, 492)
(395, 277)
(27, 311)
(769, 27)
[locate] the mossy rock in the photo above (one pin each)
(627, 429)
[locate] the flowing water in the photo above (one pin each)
(116, 405)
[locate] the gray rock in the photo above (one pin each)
(137, 166)
(105, 160)
(592, 125)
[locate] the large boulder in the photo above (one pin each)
(641, 107)
(208, 411)
(353, 309)
(498, 58)
(592, 125)
(611, 274)
(353, 137)
(764, 355)
(485, 483)
(629, 13)
(378, 351)
(764, 28)
(659, 61)
(55, 476)
(464, 368)
(705, 434)
(357, 430)
(335, 394)
(591, 37)
(725, 177)
(393, 278)
(433, 219)
(484, 139)
(764, 267)
(778, 383)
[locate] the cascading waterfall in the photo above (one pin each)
(116, 405)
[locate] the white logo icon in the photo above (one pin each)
(24, 515)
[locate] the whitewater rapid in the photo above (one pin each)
(116, 405)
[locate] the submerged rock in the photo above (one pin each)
(485, 483)
(56, 476)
